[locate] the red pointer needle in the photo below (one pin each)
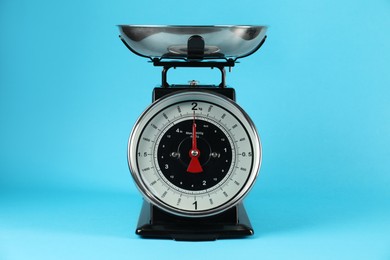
(194, 166)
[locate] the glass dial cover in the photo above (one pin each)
(194, 153)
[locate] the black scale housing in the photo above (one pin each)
(156, 223)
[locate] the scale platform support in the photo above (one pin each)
(155, 223)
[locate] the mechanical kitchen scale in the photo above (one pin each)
(194, 153)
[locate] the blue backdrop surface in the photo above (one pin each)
(318, 92)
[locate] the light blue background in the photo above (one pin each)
(318, 92)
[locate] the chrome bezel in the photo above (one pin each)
(198, 95)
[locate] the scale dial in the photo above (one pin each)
(194, 153)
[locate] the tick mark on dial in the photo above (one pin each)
(164, 194)
(155, 127)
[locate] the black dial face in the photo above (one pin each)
(176, 161)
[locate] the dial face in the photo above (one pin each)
(194, 153)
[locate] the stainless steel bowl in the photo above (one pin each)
(220, 41)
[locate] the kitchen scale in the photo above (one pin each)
(194, 153)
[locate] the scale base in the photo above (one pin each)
(155, 223)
